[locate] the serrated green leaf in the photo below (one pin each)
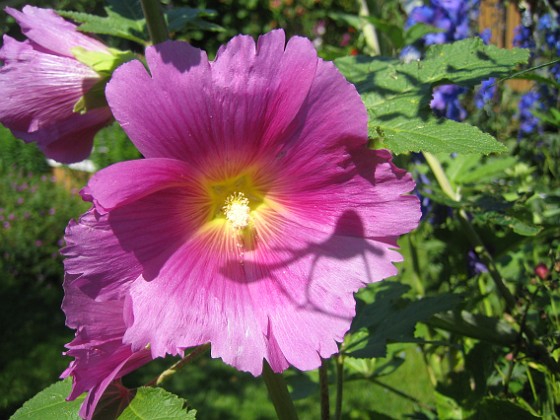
(435, 136)
(157, 404)
(123, 20)
(51, 404)
(389, 317)
(468, 62)
(397, 95)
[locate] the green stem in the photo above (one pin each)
(339, 386)
(278, 392)
(324, 385)
(155, 21)
(368, 29)
(166, 374)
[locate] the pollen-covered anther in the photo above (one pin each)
(237, 211)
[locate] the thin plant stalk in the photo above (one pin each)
(166, 374)
(155, 21)
(279, 394)
(324, 385)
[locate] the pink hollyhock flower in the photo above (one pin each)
(93, 303)
(41, 81)
(255, 216)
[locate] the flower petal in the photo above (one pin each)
(96, 263)
(242, 101)
(39, 89)
(126, 182)
(53, 33)
(97, 278)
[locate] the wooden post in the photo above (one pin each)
(502, 21)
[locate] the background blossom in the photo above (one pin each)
(41, 81)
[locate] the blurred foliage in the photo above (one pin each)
(34, 211)
(472, 356)
(111, 146)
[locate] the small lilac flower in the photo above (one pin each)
(20, 201)
(523, 38)
(485, 93)
(52, 211)
(474, 265)
(41, 81)
(410, 53)
(255, 216)
(446, 102)
(528, 122)
(12, 216)
(6, 225)
(38, 243)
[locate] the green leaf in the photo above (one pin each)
(490, 168)
(494, 408)
(123, 20)
(397, 95)
(157, 404)
(419, 30)
(51, 403)
(492, 330)
(181, 18)
(434, 136)
(390, 317)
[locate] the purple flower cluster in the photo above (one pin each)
(453, 18)
(541, 34)
(528, 122)
(486, 93)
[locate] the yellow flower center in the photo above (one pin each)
(237, 211)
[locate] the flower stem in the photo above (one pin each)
(279, 394)
(368, 29)
(324, 384)
(339, 386)
(166, 374)
(155, 21)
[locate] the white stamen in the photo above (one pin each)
(237, 210)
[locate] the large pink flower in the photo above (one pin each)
(93, 303)
(257, 213)
(41, 81)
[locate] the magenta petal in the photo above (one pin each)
(96, 263)
(249, 96)
(257, 213)
(98, 276)
(71, 140)
(126, 182)
(47, 29)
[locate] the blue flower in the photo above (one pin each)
(486, 92)
(446, 102)
(528, 122)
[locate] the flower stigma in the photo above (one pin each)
(237, 211)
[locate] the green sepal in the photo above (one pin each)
(102, 63)
(94, 98)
